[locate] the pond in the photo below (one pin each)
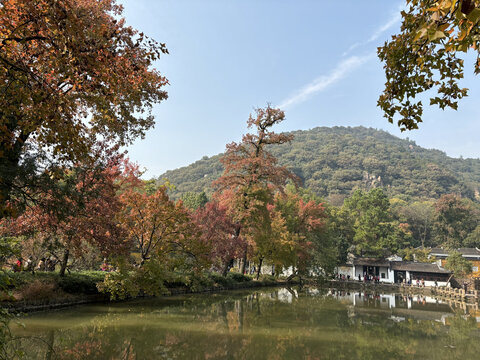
(273, 323)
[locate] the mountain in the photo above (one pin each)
(334, 161)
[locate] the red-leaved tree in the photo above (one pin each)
(252, 175)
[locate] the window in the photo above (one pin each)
(383, 275)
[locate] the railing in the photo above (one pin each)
(458, 293)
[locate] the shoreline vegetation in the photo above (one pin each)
(49, 291)
(45, 291)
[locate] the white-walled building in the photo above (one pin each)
(395, 271)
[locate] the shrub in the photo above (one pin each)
(80, 283)
(237, 277)
(38, 290)
(268, 279)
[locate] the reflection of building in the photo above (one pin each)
(395, 271)
(472, 254)
(397, 307)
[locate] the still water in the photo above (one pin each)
(278, 323)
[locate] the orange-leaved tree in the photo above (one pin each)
(252, 175)
(164, 235)
(304, 221)
(70, 71)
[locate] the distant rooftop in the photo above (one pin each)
(419, 267)
(466, 252)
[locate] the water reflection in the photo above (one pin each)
(281, 323)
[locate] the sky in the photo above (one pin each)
(315, 59)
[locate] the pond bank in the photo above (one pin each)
(69, 300)
(60, 299)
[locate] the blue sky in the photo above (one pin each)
(316, 59)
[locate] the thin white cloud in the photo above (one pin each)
(325, 81)
(344, 67)
(391, 22)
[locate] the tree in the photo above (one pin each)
(81, 208)
(163, 233)
(419, 216)
(454, 221)
(458, 264)
(156, 225)
(473, 239)
(71, 71)
(310, 246)
(193, 200)
(425, 56)
(375, 231)
(252, 176)
(219, 233)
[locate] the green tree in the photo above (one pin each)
(375, 231)
(419, 216)
(194, 200)
(425, 56)
(458, 264)
(455, 219)
(473, 239)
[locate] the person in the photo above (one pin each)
(348, 277)
(104, 266)
(423, 283)
(436, 283)
(29, 265)
(18, 265)
(359, 277)
(41, 265)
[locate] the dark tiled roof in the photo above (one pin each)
(469, 252)
(466, 252)
(419, 267)
(371, 262)
(439, 252)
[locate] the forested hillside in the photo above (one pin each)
(334, 161)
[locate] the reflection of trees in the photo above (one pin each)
(259, 324)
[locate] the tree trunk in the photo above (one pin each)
(244, 260)
(227, 267)
(9, 165)
(66, 253)
(259, 267)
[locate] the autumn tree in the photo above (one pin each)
(252, 175)
(164, 235)
(220, 234)
(81, 208)
(156, 226)
(70, 72)
(425, 56)
(302, 244)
